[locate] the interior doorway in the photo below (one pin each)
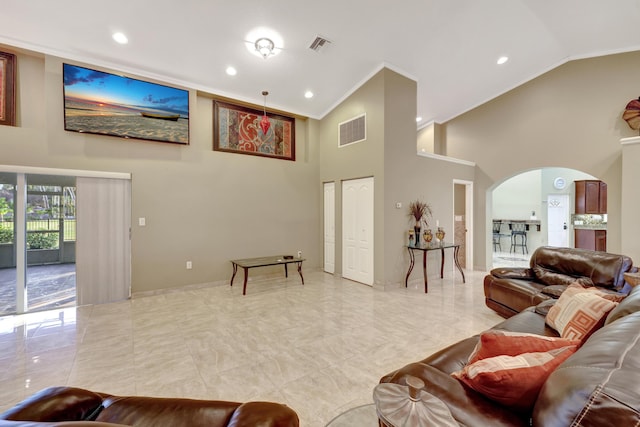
(329, 227)
(463, 220)
(544, 195)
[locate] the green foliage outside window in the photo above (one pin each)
(6, 235)
(42, 240)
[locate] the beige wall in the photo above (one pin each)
(389, 155)
(359, 160)
(204, 206)
(569, 117)
(631, 198)
(209, 207)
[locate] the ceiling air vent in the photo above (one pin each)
(352, 131)
(318, 43)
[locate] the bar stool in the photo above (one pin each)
(496, 235)
(518, 236)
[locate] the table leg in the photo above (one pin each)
(235, 270)
(300, 271)
(286, 273)
(424, 271)
(412, 260)
(456, 250)
(442, 263)
(244, 287)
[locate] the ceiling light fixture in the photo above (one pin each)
(120, 38)
(264, 123)
(418, 119)
(308, 94)
(264, 47)
(231, 71)
(502, 60)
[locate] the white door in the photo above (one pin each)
(357, 230)
(558, 220)
(329, 227)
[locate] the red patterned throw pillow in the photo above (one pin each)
(513, 380)
(579, 312)
(496, 342)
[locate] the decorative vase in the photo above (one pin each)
(411, 237)
(427, 236)
(416, 229)
(440, 234)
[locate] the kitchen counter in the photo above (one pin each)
(590, 227)
(528, 222)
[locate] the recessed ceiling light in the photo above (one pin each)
(308, 94)
(120, 38)
(502, 60)
(231, 71)
(418, 119)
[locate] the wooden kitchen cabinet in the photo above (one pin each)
(595, 240)
(591, 197)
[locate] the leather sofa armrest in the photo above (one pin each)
(264, 414)
(513, 273)
(7, 423)
(55, 404)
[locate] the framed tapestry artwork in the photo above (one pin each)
(7, 89)
(236, 129)
(109, 104)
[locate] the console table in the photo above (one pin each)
(425, 248)
(248, 263)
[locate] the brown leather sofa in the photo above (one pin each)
(69, 406)
(510, 290)
(599, 385)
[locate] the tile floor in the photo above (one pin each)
(506, 259)
(319, 348)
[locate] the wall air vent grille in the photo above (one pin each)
(318, 43)
(352, 131)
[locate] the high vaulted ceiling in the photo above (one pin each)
(450, 47)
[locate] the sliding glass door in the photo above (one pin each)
(7, 243)
(37, 242)
(51, 240)
(44, 214)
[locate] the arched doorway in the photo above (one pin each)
(544, 195)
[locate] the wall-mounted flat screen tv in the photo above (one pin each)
(108, 104)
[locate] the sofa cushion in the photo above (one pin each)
(554, 290)
(506, 343)
(544, 307)
(578, 312)
(514, 381)
(552, 278)
(629, 305)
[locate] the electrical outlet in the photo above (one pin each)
(189, 265)
(299, 254)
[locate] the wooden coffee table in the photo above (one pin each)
(248, 263)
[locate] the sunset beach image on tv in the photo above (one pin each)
(108, 104)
